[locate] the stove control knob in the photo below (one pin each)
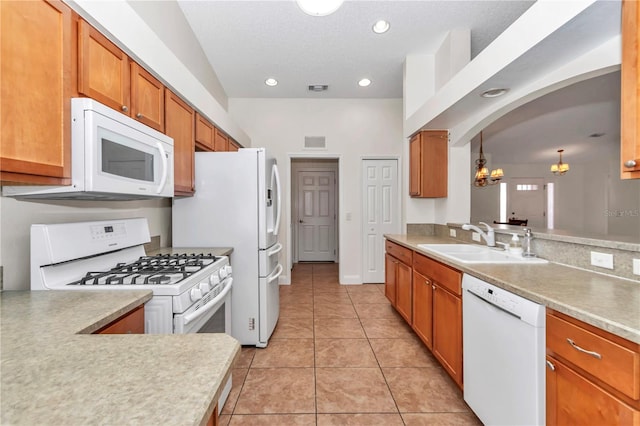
(196, 294)
(214, 280)
(204, 287)
(222, 272)
(228, 269)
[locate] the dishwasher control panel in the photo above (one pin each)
(518, 306)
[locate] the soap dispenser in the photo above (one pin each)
(514, 245)
(526, 244)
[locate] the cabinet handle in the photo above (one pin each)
(551, 366)
(124, 108)
(138, 115)
(630, 163)
(579, 349)
(433, 287)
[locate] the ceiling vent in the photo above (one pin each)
(318, 87)
(315, 142)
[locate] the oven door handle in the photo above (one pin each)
(274, 276)
(209, 305)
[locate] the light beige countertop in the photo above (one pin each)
(216, 251)
(54, 373)
(610, 303)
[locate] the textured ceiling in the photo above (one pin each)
(248, 41)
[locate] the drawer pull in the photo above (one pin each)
(579, 349)
(551, 366)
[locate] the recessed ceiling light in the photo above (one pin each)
(381, 26)
(271, 82)
(364, 82)
(493, 93)
(319, 7)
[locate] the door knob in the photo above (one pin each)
(301, 221)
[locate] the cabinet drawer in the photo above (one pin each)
(403, 254)
(445, 276)
(614, 364)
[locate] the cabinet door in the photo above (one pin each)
(204, 133)
(390, 266)
(180, 125)
(414, 166)
(131, 323)
(103, 69)
(574, 400)
(403, 291)
(147, 98)
(422, 321)
(447, 331)
(428, 168)
(35, 107)
(630, 83)
(221, 142)
(233, 145)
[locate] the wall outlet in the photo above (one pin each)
(602, 260)
(452, 233)
(636, 266)
(476, 237)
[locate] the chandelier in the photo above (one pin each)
(483, 177)
(560, 168)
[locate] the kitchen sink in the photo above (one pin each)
(473, 253)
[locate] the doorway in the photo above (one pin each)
(314, 209)
(526, 200)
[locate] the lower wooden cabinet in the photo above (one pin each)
(214, 419)
(422, 315)
(447, 331)
(390, 278)
(131, 323)
(574, 400)
(593, 376)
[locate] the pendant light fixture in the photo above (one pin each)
(319, 7)
(560, 168)
(482, 177)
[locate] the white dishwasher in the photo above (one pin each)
(504, 355)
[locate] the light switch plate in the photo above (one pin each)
(636, 266)
(452, 233)
(602, 260)
(476, 237)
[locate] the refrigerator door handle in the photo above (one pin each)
(276, 249)
(274, 276)
(276, 176)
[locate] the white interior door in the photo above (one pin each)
(526, 200)
(381, 215)
(316, 216)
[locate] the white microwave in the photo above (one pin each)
(113, 157)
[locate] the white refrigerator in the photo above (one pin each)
(237, 204)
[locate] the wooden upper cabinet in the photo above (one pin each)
(630, 85)
(221, 142)
(147, 98)
(180, 125)
(233, 145)
(106, 74)
(35, 107)
(428, 164)
(204, 133)
(103, 69)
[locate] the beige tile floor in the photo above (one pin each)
(341, 355)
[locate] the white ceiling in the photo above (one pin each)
(248, 41)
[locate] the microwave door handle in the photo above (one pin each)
(209, 305)
(165, 171)
(276, 175)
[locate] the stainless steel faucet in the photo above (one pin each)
(489, 236)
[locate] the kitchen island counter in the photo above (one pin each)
(55, 372)
(607, 302)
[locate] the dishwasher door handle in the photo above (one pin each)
(494, 305)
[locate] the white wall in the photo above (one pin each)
(353, 128)
(16, 218)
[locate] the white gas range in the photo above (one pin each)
(191, 291)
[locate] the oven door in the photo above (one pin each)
(208, 315)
